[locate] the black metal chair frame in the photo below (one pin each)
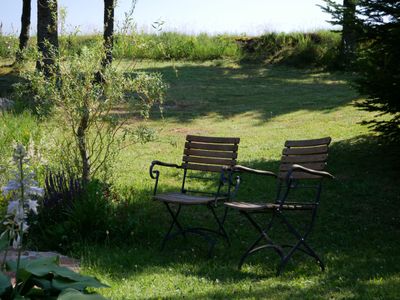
(208, 199)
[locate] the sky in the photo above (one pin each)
(251, 17)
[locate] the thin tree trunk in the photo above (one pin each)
(348, 42)
(108, 34)
(83, 151)
(47, 35)
(25, 23)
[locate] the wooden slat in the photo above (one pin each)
(303, 151)
(211, 161)
(314, 166)
(299, 175)
(207, 168)
(202, 153)
(210, 139)
(217, 147)
(308, 143)
(304, 158)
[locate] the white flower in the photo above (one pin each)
(34, 190)
(16, 242)
(11, 186)
(32, 205)
(12, 207)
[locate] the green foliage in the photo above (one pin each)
(298, 49)
(379, 65)
(8, 46)
(67, 221)
(84, 105)
(295, 49)
(43, 278)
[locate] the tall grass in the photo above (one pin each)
(298, 49)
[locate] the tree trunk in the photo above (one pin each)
(83, 151)
(349, 35)
(47, 35)
(25, 23)
(108, 34)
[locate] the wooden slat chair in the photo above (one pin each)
(202, 157)
(302, 167)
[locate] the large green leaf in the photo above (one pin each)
(41, 266)
(4, 242)
(72, 294)
(63, 283)
(5, 283)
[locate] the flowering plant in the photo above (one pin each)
(41, 278)
(22, 190)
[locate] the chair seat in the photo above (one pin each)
(254, 207)
(184, 199)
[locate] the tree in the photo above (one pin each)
(349, 33)
(344, 15)
(84, 107)
(379, 64)
(24, 34)
(47, 35)
(108, 34)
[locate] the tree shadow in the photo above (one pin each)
(198, 90)
(267, 91)
(356, 233)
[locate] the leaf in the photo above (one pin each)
(62, 283)
(41, 266)
(72, 294)
(5, 283)
(4, 242)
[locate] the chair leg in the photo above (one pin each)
(301, 242)
(221, 229)
(263, 236)
(198, 231)
(174, 222)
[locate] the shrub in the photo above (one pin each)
(296, 49)
(70, 213)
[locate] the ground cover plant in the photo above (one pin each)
(356, 233)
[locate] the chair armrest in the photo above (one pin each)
(164, 164)
(240, 168)
(311, 171)
(154, 173)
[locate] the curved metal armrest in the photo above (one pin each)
(239, 168)
(311, 171)
(164, 164)
(154, 173)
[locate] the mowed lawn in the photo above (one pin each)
(357, 231)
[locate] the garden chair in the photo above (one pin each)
(204, 159)
(301, 169)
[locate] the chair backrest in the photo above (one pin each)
(210, 154)
(308, 153)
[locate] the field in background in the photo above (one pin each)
(296, 49)
(357, 231)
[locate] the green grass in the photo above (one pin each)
(297, 48)
(357, 229)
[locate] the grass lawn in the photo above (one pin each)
(357, 230)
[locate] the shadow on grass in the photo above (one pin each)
(200, 90)
(197, 91)
(357, 234)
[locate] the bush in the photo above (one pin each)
(70, 214)
(295, 49)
